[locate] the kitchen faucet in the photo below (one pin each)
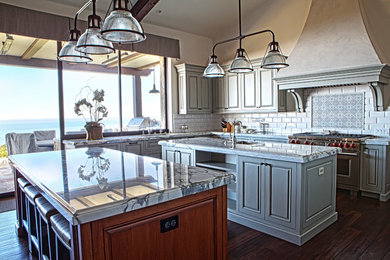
(234, 139)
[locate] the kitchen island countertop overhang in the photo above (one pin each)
(87, 184)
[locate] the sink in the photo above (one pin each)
(245, 142)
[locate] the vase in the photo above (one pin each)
(94, 131)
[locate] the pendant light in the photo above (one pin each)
(120, 26)
(154, 90)
(213, 70)
(241, 62)
(91, 41)
(69, 53)
(273, 58)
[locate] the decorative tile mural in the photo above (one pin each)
(338, 111)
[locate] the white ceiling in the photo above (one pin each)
(202, 17)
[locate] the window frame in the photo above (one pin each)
(64, 136)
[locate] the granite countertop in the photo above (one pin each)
(378, 141)
(267, 150)
(134, 138)
(88, 184)
(273, 136)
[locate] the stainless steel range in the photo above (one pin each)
(348, 161)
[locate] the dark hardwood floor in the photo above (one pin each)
(361, 232)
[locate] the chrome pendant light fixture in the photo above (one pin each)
(91, 41)
(273, 58)
(154, 90)
(120, 26)
(68, 52)
(213, 70)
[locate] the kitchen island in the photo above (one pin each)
(285, 190)
(118, 204)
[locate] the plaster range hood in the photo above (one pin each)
(341, 44)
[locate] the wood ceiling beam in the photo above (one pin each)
(131, 57)
(142, 8)
(33, 48)
(147, 66)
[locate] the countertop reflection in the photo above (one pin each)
(92, 183)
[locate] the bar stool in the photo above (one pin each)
(45, 234)
(23, 183)
(31, 194)
(61, 228)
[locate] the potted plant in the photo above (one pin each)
(93, 111)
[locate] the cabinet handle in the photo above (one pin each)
(199, 108)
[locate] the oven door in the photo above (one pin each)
(348, 171)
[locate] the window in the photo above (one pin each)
(28, 100)
(76, 85)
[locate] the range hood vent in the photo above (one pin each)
(337, 49)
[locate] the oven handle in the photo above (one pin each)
(351, 154)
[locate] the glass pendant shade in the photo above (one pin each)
(213, 70)
(91, 41)
(121, 27)
(241, 63)
(274, 58)
(70, 54)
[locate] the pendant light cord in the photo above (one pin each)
(239, 20)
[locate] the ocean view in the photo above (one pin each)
(30, 125)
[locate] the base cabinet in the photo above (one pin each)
(267, 190)
(375, 175)
(198, 231)
(182, 156)
(132, 147)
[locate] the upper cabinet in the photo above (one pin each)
(195, 92)
(250, 92)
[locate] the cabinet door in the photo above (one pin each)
(249, 90)
(219, 95)
(135, 148)
(250, 187)
(372, 163)
(169, 154)
(192, 91)
(267, 93)
(232, 93)
(280, 192)
(204, 95)
(185, 157)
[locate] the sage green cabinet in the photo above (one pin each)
(181, 156)
(375, 171)
(280, 191)
(195, 91)
(255, 92)
(267, 190)
(251, 187)
(232, 95)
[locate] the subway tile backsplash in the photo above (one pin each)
(373, 122)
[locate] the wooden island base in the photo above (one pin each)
(201, 231)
